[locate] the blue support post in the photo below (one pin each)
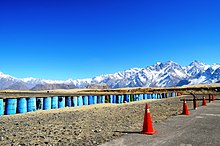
(111, 99)
(136, 97)
(54, 102)
(10, 106)
(95, 99)
(118, 99)
(102, 99)
(74, 101)
(68, 102)
(80, 101)
(114, 99)
(127, 97)
(32, 104)
(61, 102)
(90, 100)
(145, 96)
(99, 99)
(122, 99)
(22, 105)
(141, 96)
(85, 100)
(47, 103)
(1, 107)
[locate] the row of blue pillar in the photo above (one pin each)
(23, 105)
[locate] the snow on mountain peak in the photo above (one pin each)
(199, 64)
(161, 74)
(195, 62)
(2, 75)
(215, 66)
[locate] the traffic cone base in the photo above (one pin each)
(188, 113)
(149, 133)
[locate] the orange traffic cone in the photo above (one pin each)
(185, 108)
(195, 105)
(147, 127)
(204, 102)
(213, 98)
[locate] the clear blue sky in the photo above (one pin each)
(79, 39)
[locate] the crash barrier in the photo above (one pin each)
(10, 106)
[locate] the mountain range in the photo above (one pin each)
(161, 74)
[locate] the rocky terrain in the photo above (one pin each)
(98, 86)
(52, 87)
(86, 125)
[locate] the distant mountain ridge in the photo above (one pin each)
(165, 74)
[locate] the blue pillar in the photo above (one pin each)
(95, 99)
(39, 103)
(85, 100)
(102, 99)
(114, 99)
(90, 99)
(127, 97)
(111, 99)
(145, 96)
(22, 105)
(163, 95)
(148, 96)
(132, 97)
(99, 99)
(141, 96)
(31, 104)
(136, 97)
(122, 99)
(68, 101)
(74, 101)
(1, 107)
(153, 96)
(47, 103)
(10, 106)
(61, 102)
(118, 98)
(80, 101)
(54, 102)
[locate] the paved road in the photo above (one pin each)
(201, 128)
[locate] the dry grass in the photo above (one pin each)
(198, 89)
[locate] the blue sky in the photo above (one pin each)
(81, 39)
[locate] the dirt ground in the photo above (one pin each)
(86, 125)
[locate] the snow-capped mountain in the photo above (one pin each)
(165, 74)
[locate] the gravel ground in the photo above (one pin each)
(86, 125)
